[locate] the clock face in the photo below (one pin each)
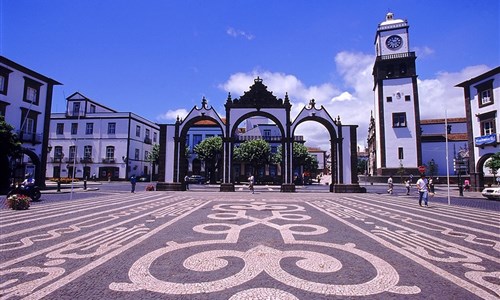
(394, 42)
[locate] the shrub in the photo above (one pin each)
(64, 180)
(18, 202)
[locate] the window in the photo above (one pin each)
(138, 131)
(196, 139)
(187, 140)
(92, 108)
(136, 154)
(486, 97)
(58, 152)
(31, 90)
(407, 98)
(400, 153)
(72, 152)
(267, 133)
(74, 128)
(389, 99)
(110, 152)
(146, 154)
(89, 128)
(111, 128)
(29, 126)
(87, 152)
(485, 93)
(155, 137)
(4, 80)
(487, 126)
(76, 108)
(399, 120)
(60, 128)
(147, 133)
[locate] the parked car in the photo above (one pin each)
(196, 179)
(491, 193)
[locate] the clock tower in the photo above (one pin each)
(396, 114)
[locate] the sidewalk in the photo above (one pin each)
(51, 187)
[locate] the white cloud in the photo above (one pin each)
(172, 115)
(424, 51)
(237, 33)
(439, 94)
(356, 101)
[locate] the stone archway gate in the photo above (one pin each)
(258, 101)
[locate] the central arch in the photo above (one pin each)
(258, 101)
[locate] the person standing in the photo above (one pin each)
(250, 183)
(186, 181)
(422, 190)
(390, 184)
(133, 181)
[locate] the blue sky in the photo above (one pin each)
(159, 58)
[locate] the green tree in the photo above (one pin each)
(433, 167)
(11, 146)
(154, 156)
(210, 151)
(494, 164)
(301, 158)
(254, 152)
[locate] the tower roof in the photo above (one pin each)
(389, 20)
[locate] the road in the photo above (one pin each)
(113, 244)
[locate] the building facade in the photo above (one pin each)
(482, 105)
(90, 140)
(26, 101)
(396, 114)
(434, 135)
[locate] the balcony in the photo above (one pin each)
(25, 137)
(147, 140)
(108, 160)
(396, 55)
(56, 159)
(86, 160)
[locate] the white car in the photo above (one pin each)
(491, 193)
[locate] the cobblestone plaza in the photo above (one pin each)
(212, 245)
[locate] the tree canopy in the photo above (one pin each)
(11, 146)
(210, 151)
(494, 163)
(254, 152)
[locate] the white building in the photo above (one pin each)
(25, 101)
(91, 139)
(482, 105)
(396, 114)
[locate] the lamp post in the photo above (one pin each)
(60, 158)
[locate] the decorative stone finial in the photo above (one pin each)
(312, 103)
(257, 80)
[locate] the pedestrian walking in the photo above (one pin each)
(250, 183)
(390, 184)
(408, 186)
(133, 181)
(186, 181)
(423, 192)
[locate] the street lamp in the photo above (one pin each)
(59, 156)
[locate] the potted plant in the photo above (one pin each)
(18, 202)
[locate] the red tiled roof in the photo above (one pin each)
(441, 121)
(209, 122)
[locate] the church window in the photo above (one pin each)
(389, 99)
(399, 120)
(407, 98)
(400, 153)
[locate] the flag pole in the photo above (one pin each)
(447, 158)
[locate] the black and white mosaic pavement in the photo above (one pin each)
(182, 245)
